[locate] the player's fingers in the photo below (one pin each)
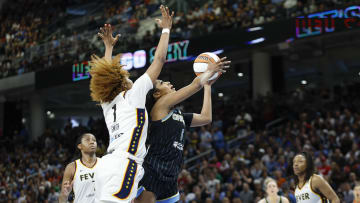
(223, 58)
(101, 35)
(158, 21)
(117, 37)
(104, 30)
(167, 11)
(163, 12)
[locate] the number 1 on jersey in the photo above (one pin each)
(114, 107)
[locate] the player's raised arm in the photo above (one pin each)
(174, 98)
(106, 34)
(205, 117)
(161, 51)
(67, 182)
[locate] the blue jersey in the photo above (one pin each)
(166, 145)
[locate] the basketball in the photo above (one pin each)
(202, 61)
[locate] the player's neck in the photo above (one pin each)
(273, 198)
(301, 178)
(88, 159)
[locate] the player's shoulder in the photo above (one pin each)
(316, 177)
(71, 164)
(262, 201)
(71, 167)
(284, 199)
(316, 181)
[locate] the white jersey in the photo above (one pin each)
(126, 118)
(84, 183)
(307, 195)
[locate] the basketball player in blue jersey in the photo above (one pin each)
(123, 104)
(310, 188)
(166, 135)
(79, 174)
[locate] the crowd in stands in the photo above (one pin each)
(326, 124)
(39, 39)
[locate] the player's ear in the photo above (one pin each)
(157, 94)
(79, 146)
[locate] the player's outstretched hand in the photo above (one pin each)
(219, 66)
(166, 21)
(66, 188)
(107, 36)
(211, 82)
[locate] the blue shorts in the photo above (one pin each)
(165, 191)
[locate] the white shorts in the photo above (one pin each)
(117, 178)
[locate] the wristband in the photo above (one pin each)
(165, 30)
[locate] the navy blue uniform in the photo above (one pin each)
(164, 159)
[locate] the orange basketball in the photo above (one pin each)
(202, 61)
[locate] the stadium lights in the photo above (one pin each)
(254, 29)
(303, 82)
(48, 113)
(52, 116)
(256, 41)
(359, 73)
(240, 74)
(217, 52)
(220, 94)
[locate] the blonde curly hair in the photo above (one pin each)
(108, 79)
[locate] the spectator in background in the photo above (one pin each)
(347, 193)
(246, 195)
(206, 139)
(272, 190)
(218, 138)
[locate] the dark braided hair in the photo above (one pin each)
(310, 168)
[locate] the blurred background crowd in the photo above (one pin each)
(53, 33)
(238, 151)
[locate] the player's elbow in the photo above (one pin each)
(335, 200)
(207, 120)
(160, 59)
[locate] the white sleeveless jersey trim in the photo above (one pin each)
(126, 118)
(84, 182)
(305, 194)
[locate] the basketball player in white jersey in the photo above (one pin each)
(356, 194)
(272, 195)
(310, 188)
(123, 103)
(79, 174)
